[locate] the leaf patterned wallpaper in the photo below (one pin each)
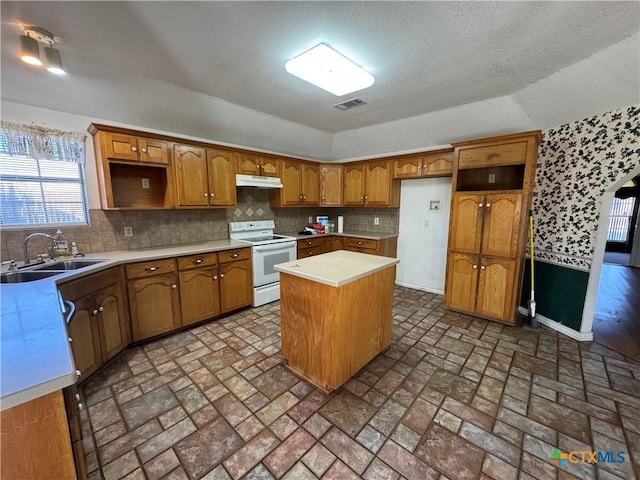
(577, 163)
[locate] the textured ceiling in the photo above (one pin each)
(426, 56)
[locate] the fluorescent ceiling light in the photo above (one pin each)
(327, 69)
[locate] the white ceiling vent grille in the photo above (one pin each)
(355, 102)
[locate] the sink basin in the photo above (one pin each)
(21, 277)
(67, 265)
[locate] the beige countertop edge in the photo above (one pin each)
(366, 235)
(319, 268)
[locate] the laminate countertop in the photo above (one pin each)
(367, 235)
(336, 268)
(35, 356)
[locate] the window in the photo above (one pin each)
(620, 219)
(41, 177)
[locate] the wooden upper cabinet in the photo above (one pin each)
(378, 184)
(501, 228)
(255, 164)
(221, 168)
(137, 149)
(438, 163)
(331, 185)
(192, 185)
(354, 178)
(465, 229)
(300, 185)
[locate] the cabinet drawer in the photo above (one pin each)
(308, 243)
(309, 252)
(233, 255)
(147, 269)
(493, 155)
(361, 243)
(89, 284)
(201, 260)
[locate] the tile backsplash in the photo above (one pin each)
(159, 228)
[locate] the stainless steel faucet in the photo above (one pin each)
(29, 237)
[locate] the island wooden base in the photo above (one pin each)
(329, 333)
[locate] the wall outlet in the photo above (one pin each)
(426, 223)
(376, 220)
(128, 232)
(310, 219)
(492, 178)
(145, 183)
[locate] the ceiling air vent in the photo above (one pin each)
(355, 102)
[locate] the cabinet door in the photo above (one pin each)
(437, 164)
(221, 168)
(310, 184)
(235, 285)
(121, 147)
(501, 224)
(378, 183)
(111, 321)
(496, 288)
(354, 185)
(334, 243)
(248, 164)
(192, 188)
(154, 304)
(461, 281)
(85, 337)
(199, 294)
(465, 230)
(410, 167)
(270, 167)
(291, 193)
(153, 151)
(331, 185)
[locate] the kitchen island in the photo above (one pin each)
(336, 312)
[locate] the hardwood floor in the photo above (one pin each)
(616, 323)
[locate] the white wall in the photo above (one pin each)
(422, 249)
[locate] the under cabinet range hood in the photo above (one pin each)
(257, 181)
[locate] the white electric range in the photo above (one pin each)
(268, 249)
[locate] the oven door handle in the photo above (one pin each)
(274, 246)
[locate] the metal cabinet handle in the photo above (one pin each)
(205, 194)
(215, 277)
(135, 149)
(366, 197)
(222, 275)
(151, 269)
(235, 255)
(70, 339)
(480, 205)
(77, 395)
(144, 150)
(72, 310)
(324, 198)
(101, 309)
(78, 373)
(475, 267)
(309, 242)
(80, 406)
(94, 311)
(174, 286)
(359, 243)
(198, 261)
(310, 254)
(212, 194)
(361, 197)
(488, 205)
(482, 267)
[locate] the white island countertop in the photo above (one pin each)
(336, 268)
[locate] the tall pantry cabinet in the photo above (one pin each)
(492, 191)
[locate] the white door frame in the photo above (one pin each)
(598, 254)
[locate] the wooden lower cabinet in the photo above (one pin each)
(235, 285)
(98, 329)
(334, 243)
(35, 442)
(199, 297)
(482, 286)
(154, 304)
(387, 247)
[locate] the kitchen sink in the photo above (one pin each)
(29, 276)
(67, 265)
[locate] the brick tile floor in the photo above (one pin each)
(454, 397)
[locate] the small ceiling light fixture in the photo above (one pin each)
(30, 53)
(325, 68)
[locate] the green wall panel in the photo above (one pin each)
(559, 292)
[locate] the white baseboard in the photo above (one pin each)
(569, 332)
(419, 287)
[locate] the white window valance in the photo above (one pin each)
(41, 143)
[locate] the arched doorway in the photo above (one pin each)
(612, 304)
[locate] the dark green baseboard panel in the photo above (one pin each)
(560, 292)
